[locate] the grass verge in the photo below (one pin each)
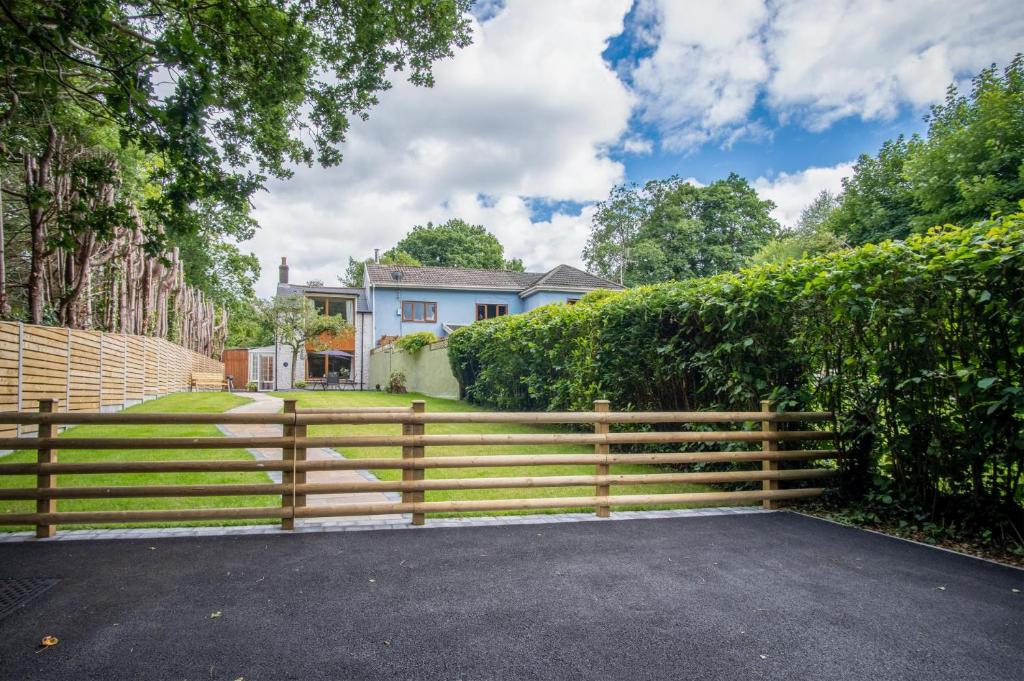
(180, 402)
(309, 399)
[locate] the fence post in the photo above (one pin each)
(601, 406)
(289, 453)
(46, 481)
(18, 428)
(418, 407)
(769, 446)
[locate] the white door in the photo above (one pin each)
(266, 372)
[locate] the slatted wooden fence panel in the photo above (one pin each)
(88, 370)
(135, 368)
(85, 371)
(152, 366)
(44, 365)
(113, 370)
(10, 351)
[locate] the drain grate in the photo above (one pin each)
(15, 593)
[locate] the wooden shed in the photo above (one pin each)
(256, 365)
(236, 365)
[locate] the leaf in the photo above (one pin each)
(215, 615)
(986, 383)
(48, 641)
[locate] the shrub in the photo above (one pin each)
(252, 387)
(919, 345)
(396, 382)
(414, 342)
(299, 385)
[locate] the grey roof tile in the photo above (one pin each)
(449, 277)
(562, 276)
(362, 304)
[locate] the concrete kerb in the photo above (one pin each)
(365, 524)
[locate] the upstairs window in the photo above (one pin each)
(340, 307)
(419, 311)
(490, 310)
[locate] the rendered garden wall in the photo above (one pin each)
(427, 371)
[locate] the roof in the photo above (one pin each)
(362, 304)
(566, 277)
(561, 277)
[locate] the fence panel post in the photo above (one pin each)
(601, 406)
(289, 453)
(47, 481)
(769, 446)
(418, 407)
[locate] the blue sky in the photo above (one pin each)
(555, 103)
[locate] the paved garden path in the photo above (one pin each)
(267, 404)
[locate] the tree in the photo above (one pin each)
(297, 324)
(254, 87)
(877, 202)
(971, 166)
(810, 236)
(671, 229)
(967, 168)
(250, 326)
(354, 272)
(615, 225)
(456, 243)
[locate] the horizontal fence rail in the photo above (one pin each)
(294, 488)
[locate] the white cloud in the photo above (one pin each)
(791, 192)
(637, 145)
(529, 110)
(703, 75)
(811, 61)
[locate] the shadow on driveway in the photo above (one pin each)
(766, 596)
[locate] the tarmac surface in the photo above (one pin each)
(757, 596)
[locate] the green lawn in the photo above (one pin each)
(379, 399)
(181, 402)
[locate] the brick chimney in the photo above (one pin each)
(282, 271)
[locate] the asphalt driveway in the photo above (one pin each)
(765, 596)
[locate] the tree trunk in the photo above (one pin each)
(37, 177)
(5, 305)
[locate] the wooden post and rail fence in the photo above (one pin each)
(294, 489)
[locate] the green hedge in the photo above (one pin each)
(919, 345)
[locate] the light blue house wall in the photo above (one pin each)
(540, 298)
(453, 307)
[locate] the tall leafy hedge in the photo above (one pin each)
(919, 345)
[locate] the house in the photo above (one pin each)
(399, 299)
(408, 299)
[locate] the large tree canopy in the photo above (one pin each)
(671, 229)
(456, 243)
(354, 272)
(214, 96)
(968, 167)
(808, 237)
